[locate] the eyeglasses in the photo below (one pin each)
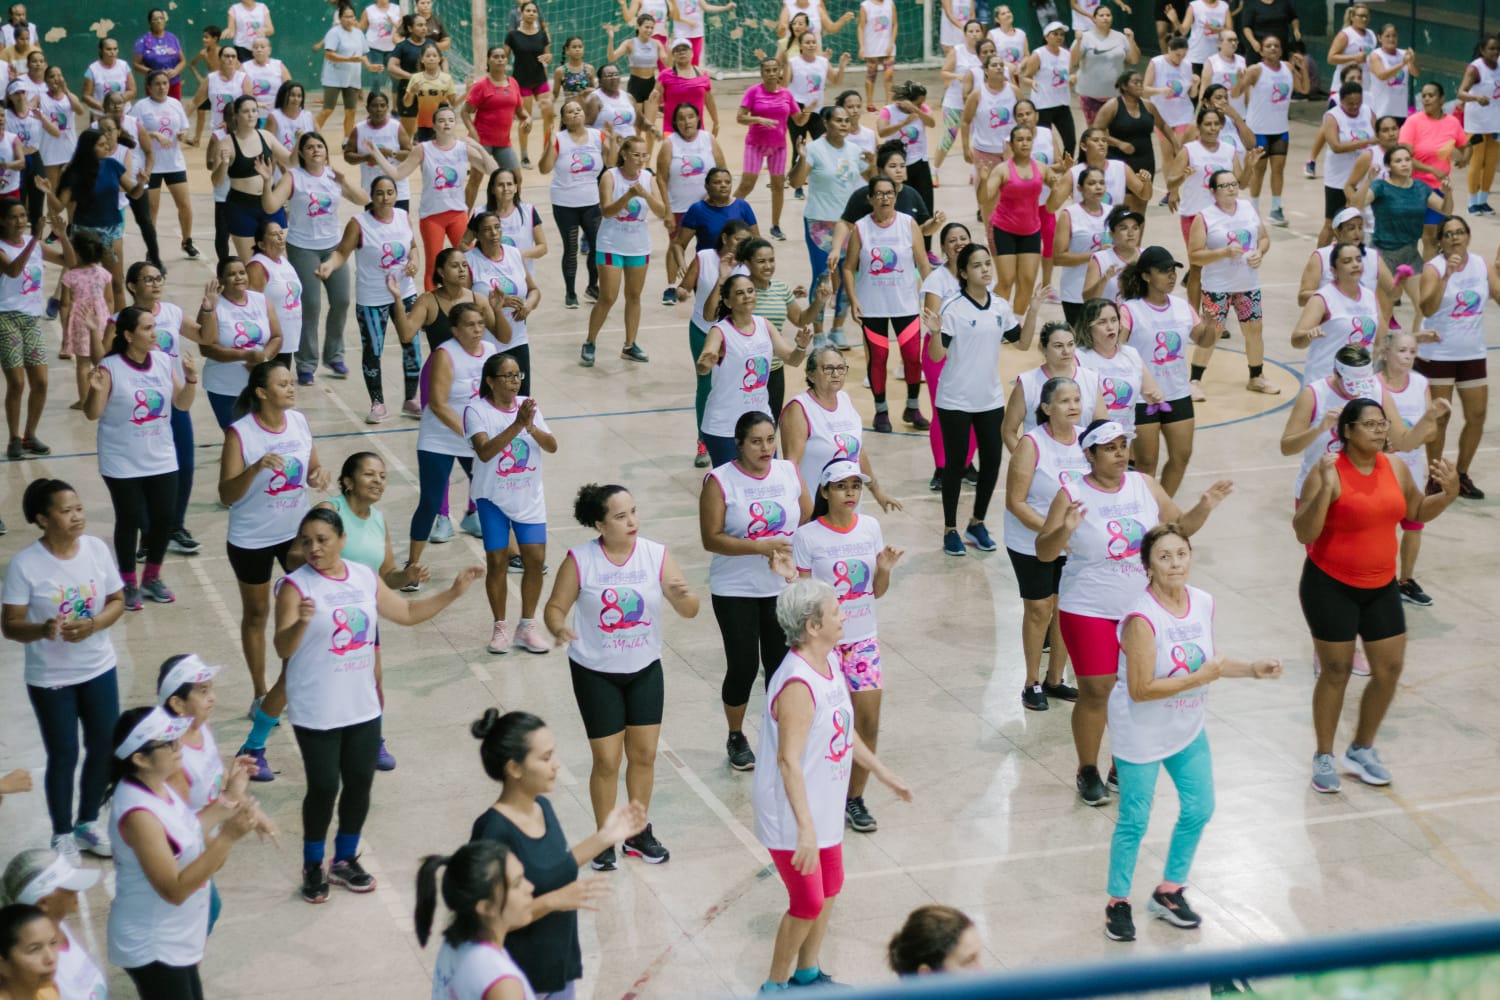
(883, 194)
(1226, 184)
(156, 745)
(509, 376)
(1376, 426)
(152, 279)
(835, 369)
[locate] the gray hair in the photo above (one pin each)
(801, 605)
(22, 869)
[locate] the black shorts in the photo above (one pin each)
(1159, 9)
(170, 179)
(639, 87)
(609, 703)
(1035, 579)
(1333, 201)
(253, 566)
(1464, 374)
(1337, 612)
(1182, 409)
(1010, 243)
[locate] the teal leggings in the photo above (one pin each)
(1192, 771)
(696, 339)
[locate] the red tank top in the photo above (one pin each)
(1017, 209)
(1358, 544)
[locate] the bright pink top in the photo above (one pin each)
(1016, 210)
(778, 107)
(677, 90)
(1433, 141)
(494, 109)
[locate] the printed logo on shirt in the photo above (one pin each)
(1187, 658)
(1466, 303)
(247, 334)
(166, 342)
(503, 283)
(393, 254)
(1117, 393)
(692, 166)
(293, 298)
(1240, 238)
(513, 459)
(881, 23)
(1000, 116)
(757, 374)
(581, 161)
(351, 631)
(261, 87)
(842, 740)
(911, 133)
(75, 603)
(766, 519)
(1168, 347)
(149, 405)
(1059, 76)
(1362, 329)
(846, 447)
(814, 83)
(1011, 54)
(444, 178)
(883, 261)
(634, 211)
(621, 608)
(1280, 92)
(286, 479)
(1098, 241)
(1125, 535)
(164, 125)
(318, 205)
(31, 278)
(851, 579)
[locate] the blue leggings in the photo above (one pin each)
(182, 440)
(372, 322)
(433, 471)
(94, 704)
(1192, 771)
(816, 232)
(223, 407)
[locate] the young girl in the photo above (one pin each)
(877, 44)
(574, 78)
(84, 309)
(427, 90)
(487, 893)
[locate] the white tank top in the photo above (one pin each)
(1033, 380)
(814, 18)
(1479, 119)
(330, 677)
(1056, 463)
(708, 276)
(1203, 163)
(1337, 166)
(468, 971)
(169, 334)
(1350, 321)
(507, 273)
(1175, 106)
(875, 40)
(1051, 89)
(264, 82)
(1203, 36)
(432, 434)
(77, 976)
(835, 434)
(617, 617)
(691, 162)
(913, 134)
(388, 138)
(1120, 380)
(618, 111)
(272, 508)
(1114, 182)
(287, 129)
(107, 79)
(221, 94)
(144, 927)
(313, 212)
(518, 229)
(203, 769)
(1369, 278)
(827, 756)
(807, 80)
(1143, 732)
(444, 172)
(658, 11)
(243, 326)
(628, 231)
(284, 294)
(964, 61)
(512, 480)
(845, 560)
(1103, 576)
(135, 430)
(1107, 259)
(1270, 97)
(381, 34)
(23, 293)
(1088, 235)
(739, 381)
(643, 55)
(1459, 319)
(1389, 97)
(886, 277)
(1325, 398)
(1011, 48)
(1226, 75)
(1240, 228)
(769, 507)
(689, 21)
(247, 21)
(994, 117)
(384, 248)
(1411, 404)
(575, 175)
(1360, 43)
(1161, 337)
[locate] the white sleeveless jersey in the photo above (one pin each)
(388, 138)
(1360, 43)
(135, 430)
(512, 480)
(618, 111)
(312, 214)
(1202, 164)
(875, 39)
(807, 80)
(1389, 97)
(507, 274)
(845, 560)
(740, 379)
(994, 118)
(1120, 379)
(243, 326)
(913, 134)
(204, 770)
(23, 293)
(468, 971)
(1176, 105)
(628, 231)
(1107, 259)
(1051, 89)
(827, 756)
(284, 295)
(1483, 120)
(1162, 338)
(1088, 235)
(264, 82)
(1056, 463)
(1326, 399)
(1033, 380)
(1226, 74)
(1012, 48)
(1337, 166)
(1370, 278)
(1143, 732)
(1103, 576)
(1083, 20)
(617, 617)
(835, 434)
(1114, 182)
(107, 79)
(518, 229)
(330, 677)
(689, 20)
(1208, 22)
(964, 61)
(381, 33)
(1269, 100)
(886, 276)
(1460, 315)
(1350, 321)
(1240, 228)
(769, 507)
(1411, 403)
(433, 435)
(144, 927)
(688, 174)
(169, 334)
(221, 94)
(286, 130)
(384, 248)
(247, 22)
(444, 173)
(951, 34)
(708, 276)
(575, 175)
(78, 977)
(272, 508)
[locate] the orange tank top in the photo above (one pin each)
(1358, 544)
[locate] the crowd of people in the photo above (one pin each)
(1101, 550)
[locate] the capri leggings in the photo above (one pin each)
(878, 333)
(372, 322)
(167, 982)
(332, 758)
(748, 627)
(434, 228)
(808, 893)
(1060, 118)
(951, 119)
(569, 221)
(696, 339)
(931, 371)
(132, 498)
(433, 471)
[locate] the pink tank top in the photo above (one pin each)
(1016, 211)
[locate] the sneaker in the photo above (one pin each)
(529, 637)
(822, 980)
(442, 530)
(1060, 691)
(701, 459)
(1118, 923)
(3, 528)
(34, 446)
(645, 846)
(470, 524)
(157, 591)
(263, 772)
(1113, 781)
(384, 761)
(1310, 169)
(1278, 218)
(1325, 777)
(798, 194)
(971, 476)
(411, 408)
(837, 339)
(1091, 787)
(1173, 908)
(65, 845)
(525, 161)
(133, 600)
(604, 861)
(1412, 593)
(777, 234)
(913, 418)
(669, 297)
(1196, 388)
(570, 301)
(882, 424)
(515, 564)
(1033, 698)
(93, 838)
(935, 484)
(586, 356)
(953, 544)
(14, 451)
(140, 554)
(411, 588)
(1466, 487)
(591, 293)
(183, 543)
(190, 251)
(1364, 762)
(979, 535)
(339, 369)
(858, 817)
(1262, 385)
(1361, 665)
(741, 757)
(1166, 201)
(314, 884)
(500, 639)
(633, 352)
(376, 415)
(305, 379)
(351, 875)
(54, 308)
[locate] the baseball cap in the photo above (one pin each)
(1156, 259)
(837, 472)
(1053, 26)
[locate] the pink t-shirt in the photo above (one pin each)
(1433, 141)
(677, 90)
(778, 107)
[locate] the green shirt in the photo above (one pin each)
(1399, 213)
(364, 537)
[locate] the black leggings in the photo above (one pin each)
(132, 499)
(568, 222)
(919, 179)
(956, 425)
(166, 982)
(331, 756)
(1060, 118)
(36, 201)
(748, 626)
(140, 208)
(221, 231)
(776, 389)
(813, 129)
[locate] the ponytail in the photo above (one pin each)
(1132, 282)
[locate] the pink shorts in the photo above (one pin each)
(544, 88)
(1049, 228)
(861, 664)
(985, 161)
(1186, 222)
(772, 157)
(1092, 643)
(1406, 526)
(808, 892)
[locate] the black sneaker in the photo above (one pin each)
(1173, 908)
(570, 301)
(1118, 924)
(935, 484)
(604, 861)
(314, 885)
(1412, 593)
(351, 875)
(741, 757)
(591, 293)
(1061, 691)
(190, 250)
(1113, 781)
(1091, 787)
(183, 543)
(858, 817)
(645, 846)
(971, 476)
(1466, 487)
(14, 451)
(1033, 697)
(3, 528)
(35, 446)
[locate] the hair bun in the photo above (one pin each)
(481, 727)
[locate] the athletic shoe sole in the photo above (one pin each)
(632, 853)
(334, 880)
(1357, 769)
(742, 767)
(1161, 912)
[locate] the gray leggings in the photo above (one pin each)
(305, 263)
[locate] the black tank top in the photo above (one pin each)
(440, 331)
(242, 166)
(1135, 129)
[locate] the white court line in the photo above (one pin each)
(481, 673)
(713, 802)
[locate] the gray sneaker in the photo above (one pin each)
(1325, 775)
(155, 590)
(836, 338)
(1366, 765)
(442, 530)
(586, 356)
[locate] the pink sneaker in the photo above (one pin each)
(500, 639)
(412, 408)
(529, 637)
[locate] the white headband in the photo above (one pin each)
(156, 726)
(1359, 380)
(189, 670)
(58, 875)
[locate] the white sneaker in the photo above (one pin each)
(93, 838)
(1361, 667)
(529, 637)
(500, 639)
(67, 849)
(470, 524)
(442, 530)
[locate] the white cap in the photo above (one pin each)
(837, 472)
(57, 875)
(156, 726)
(14, 86)
(1053, 26)
(1103, 434)
(188, 670)
(679, 42)
(1346, 215)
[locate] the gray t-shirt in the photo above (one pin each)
(1103, 60)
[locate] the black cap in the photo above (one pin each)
(1120, 213)
(1156, 259)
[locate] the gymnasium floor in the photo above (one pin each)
(995, 827)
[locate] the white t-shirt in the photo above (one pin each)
(68, 590)
(168, 118)
(1143, 732)
(971, 373)
(845, 560)
(512, 480)
(468, 971)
